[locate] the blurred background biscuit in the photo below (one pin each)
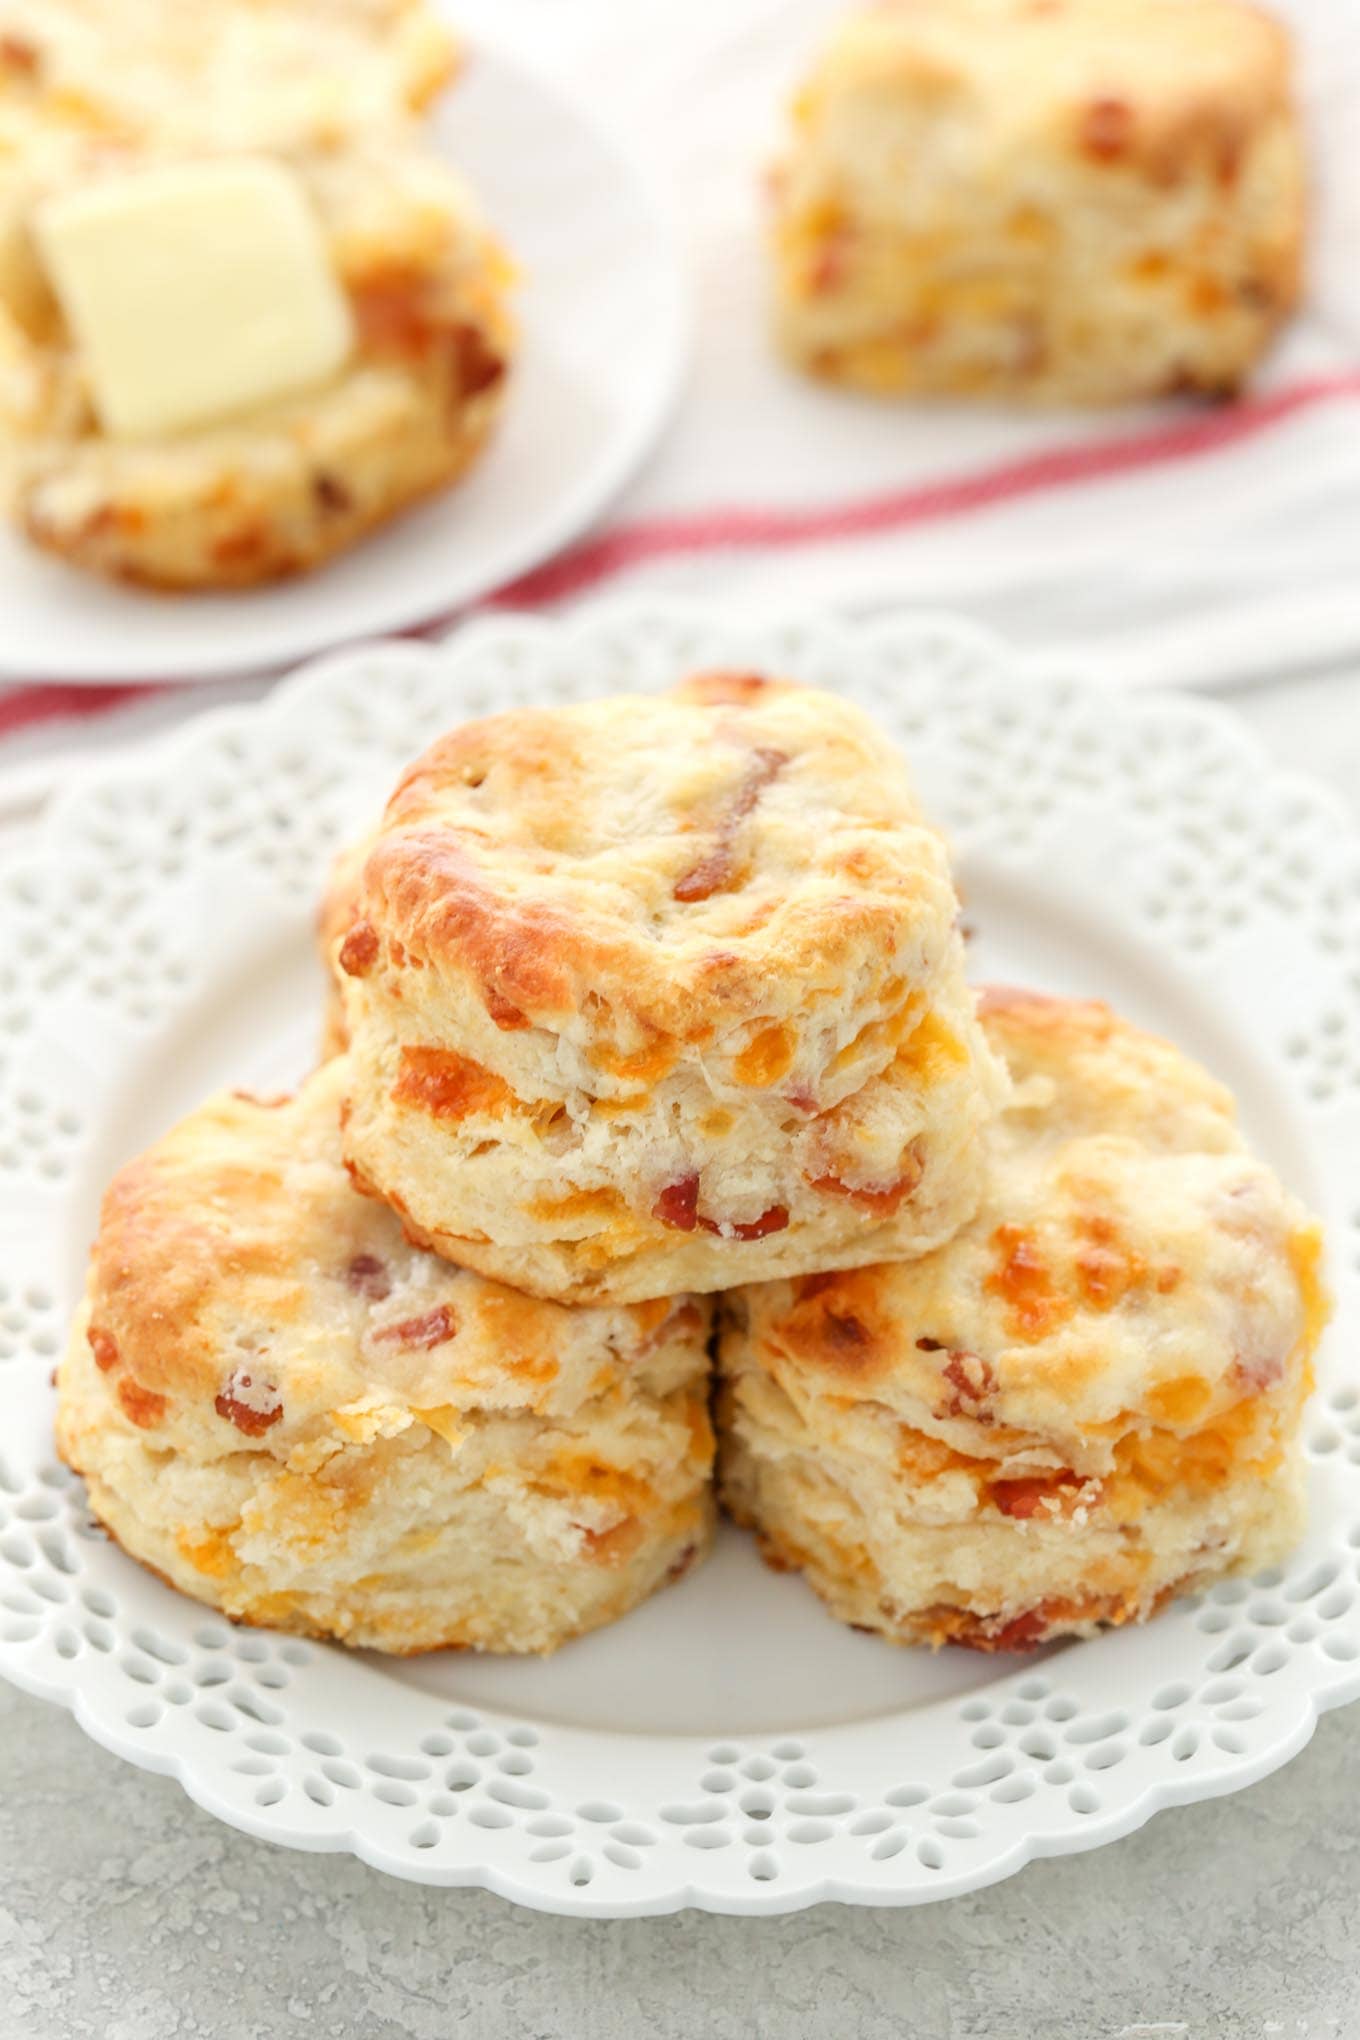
(276, 487)
(1072, 201)
(218, 73)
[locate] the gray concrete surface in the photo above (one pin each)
(126, 1914)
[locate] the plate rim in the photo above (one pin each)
(774, 1904)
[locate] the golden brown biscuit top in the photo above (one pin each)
(1097, 1075)
(736, 845)
(239, 1279)
(1151, 81)
(1131, 1263)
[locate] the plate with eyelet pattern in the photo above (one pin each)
(727, 1746)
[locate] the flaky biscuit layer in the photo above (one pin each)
(659, 992)
(1087, 1401)
(289, 1412)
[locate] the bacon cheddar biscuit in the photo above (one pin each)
(1086, 1403)
(274, 487)
(1074, 201)
(289, 1412)
(663, 993)
(218, 73)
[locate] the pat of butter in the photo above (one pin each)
(195, 291)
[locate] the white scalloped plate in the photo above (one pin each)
(597, 260)
(728, 1746)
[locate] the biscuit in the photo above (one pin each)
(1071, 201)
(288, 485)
(289, 1412)
(217, 73)
(1086, 1403)
(662, 993)
(335, 917)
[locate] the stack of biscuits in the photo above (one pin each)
(654, 1087)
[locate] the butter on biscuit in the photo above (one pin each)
(196, 291)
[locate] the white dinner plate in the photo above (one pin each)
(728, 1745)
(603, 326)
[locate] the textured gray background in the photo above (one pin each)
(126, 1914)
